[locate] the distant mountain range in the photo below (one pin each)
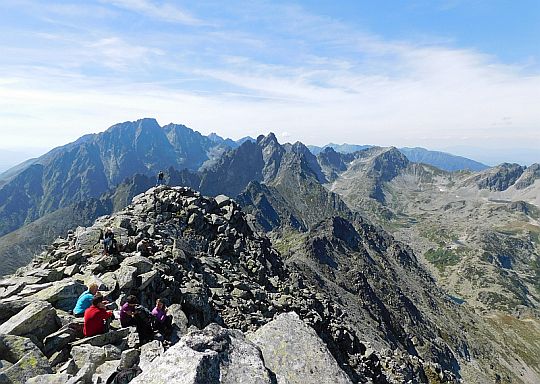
(441, 160)
(95, 165)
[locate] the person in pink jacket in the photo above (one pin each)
(163, 321)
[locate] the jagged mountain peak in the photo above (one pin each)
(269, 139)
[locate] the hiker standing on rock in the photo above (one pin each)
(85, 300)
(160, 178)
(108, 239)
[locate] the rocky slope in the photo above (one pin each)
(377, 314)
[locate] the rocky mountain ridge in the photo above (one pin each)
(379, 315)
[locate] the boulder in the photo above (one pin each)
(111, 337)
(51, 378)
(59, 357)
(222, 200)
(149, 352)
(38, 319)
(147, 279)
(179, 318)
(62, 294)
(182, 365)
(56, 341)
(211, 356)
(46, 275)
(85, 353)
(75, 257)
(126, 276)
(26, 359)
(84, 375)
(87, 238)
(71, 270)
(104, 371)
(143, 264)
(296, 354)
(8, 309)
(12, 290)
(129, 358)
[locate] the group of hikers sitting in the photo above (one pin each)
(92, 306)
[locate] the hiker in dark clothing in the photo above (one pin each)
(160, 178)
(108, 238)
(132, 314)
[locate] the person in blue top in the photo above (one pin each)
(85, 300)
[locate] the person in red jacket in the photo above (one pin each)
(95, 316)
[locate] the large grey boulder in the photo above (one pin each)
(149, 352)
(38, 319)
(143, 264)
(83, 354)
(211, 356)
(126, 277)
(26, 359)
(87, 238)
(56, 341)
(62, 294)
(296, 354)
(8, 309)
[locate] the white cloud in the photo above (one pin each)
(165, 11)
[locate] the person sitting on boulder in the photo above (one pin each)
(144, 247)
(163, 321)
(85, 300)
(131, 314)
(95, 316)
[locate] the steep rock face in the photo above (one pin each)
(272, 155)
(234, 171)
(364, 180)
(19, 198)
(269, 208)
(528, 177)
(499, 178)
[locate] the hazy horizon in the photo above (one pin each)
(489, 156)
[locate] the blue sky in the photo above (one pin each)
(462, 76)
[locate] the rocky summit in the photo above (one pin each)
(345, 304)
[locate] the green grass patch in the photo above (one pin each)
(288, 242)
(442, 257)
